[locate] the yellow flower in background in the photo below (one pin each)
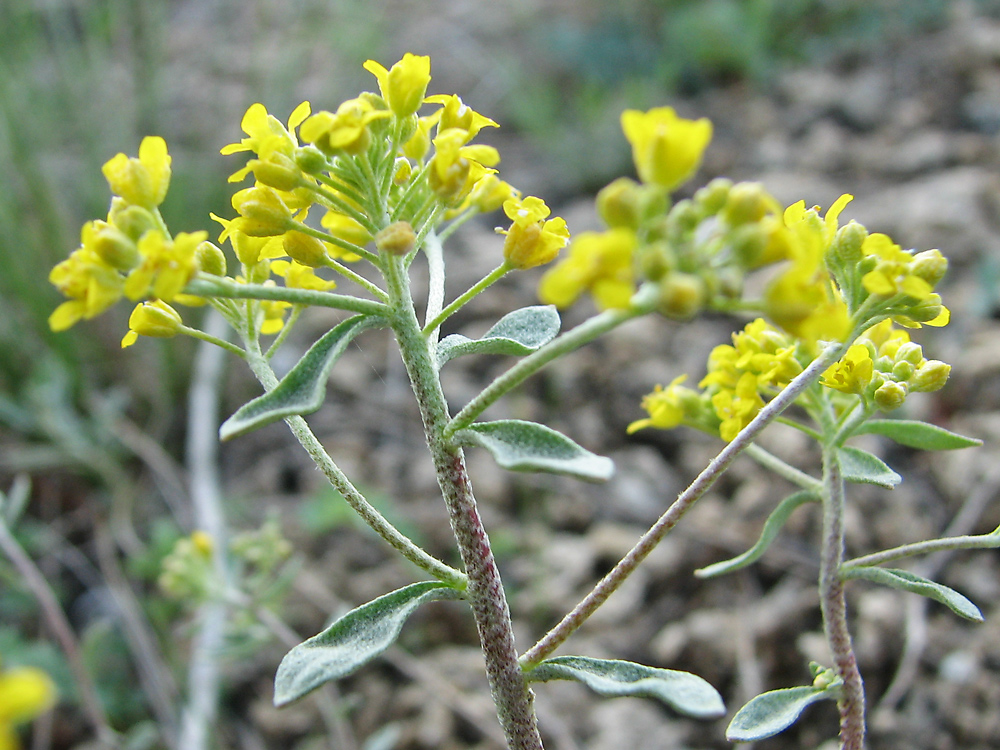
(403, 86)
(345, 228)
(667, 149)
(166, 266)
(91, 284)
(666, 406)
(598, 262)
(531, 240)
(155, 319)
(299, 276)
(143, 181)
(25, 692)
(852, 373)
(737, 407)
(456, 167)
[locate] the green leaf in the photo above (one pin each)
(301, 391)
(528, 446)
(921, 435)
(771, 528)
(684, 692)
(861, 466)
(515, 334)
(904, 580)
(352, 641)
(776, 710)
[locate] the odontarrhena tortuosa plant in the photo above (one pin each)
(360, 193)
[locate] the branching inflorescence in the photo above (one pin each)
(354, 196)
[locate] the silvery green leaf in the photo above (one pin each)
(771, 528)
(301, 391)
(528, 446)
(921, 435)
(904, 580)
(684, 692)
(352, 641)
(517, 333)
(861, 466)
(774, 711)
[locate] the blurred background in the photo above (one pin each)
(895, 101)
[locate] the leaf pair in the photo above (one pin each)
(364, 633)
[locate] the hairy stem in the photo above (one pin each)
(647, 543)
(481, 285)
(216, 286)
(308, 440)
(513, 699)
(834, 607)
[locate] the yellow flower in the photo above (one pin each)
(403, 86)
(345, 228)
(91, 284)
(265, 134)
(263, 212)
(737, 407)
(598, 262)
(893, 272)
(666, 406)
(852, 373)
(667, 149)
(249, 250)
(490, 192)
(531, 241)
(143, 181)
(455, 114)
(455, 167)
(155, 319)
(25, 692)
(166, 267)
(299, 276)
(347, 130)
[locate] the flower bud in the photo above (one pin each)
(890, 395)
(714, 195)
(845, 250)
(903, 370)
(618, 203)
(115, 248)
(682, 295)
(747, 202)
(655, 260)
(930, 376)
(156, 319)
(210, 258)
(304, 249)
(926, 310)
(396, 239)
(134, 221)
(684, 216)
(748, 243)
(909, 352)
(278, 172)
(401, 171)
(310, 159)
(490, 192)
(265, 214)
(929, 265)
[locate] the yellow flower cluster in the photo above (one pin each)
(884, 366)
(25, 692)
(130, 254)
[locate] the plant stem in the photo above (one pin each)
(607, 585)
(484, 283)
(571, 340)
(978, 541)
(218, 286)
(513, 699)
(308, 440)
(834, 606)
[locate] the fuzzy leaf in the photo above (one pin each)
(862, 467)
(771, 528)
(352, 641)
(516, 333)
(904, 580)
(527, 446)
(774, 711)
(920, 435)
(301, 391)
(684, 692)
